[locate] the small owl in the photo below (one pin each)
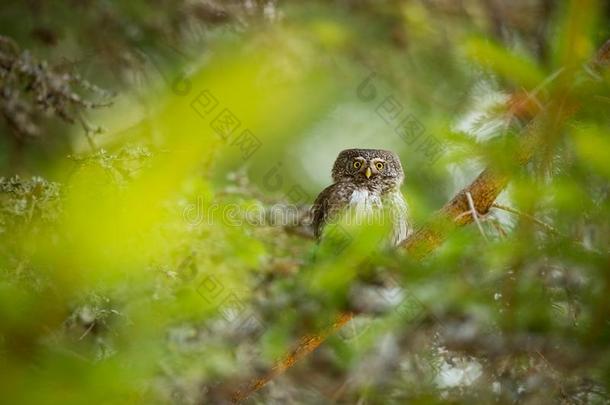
(365, 180)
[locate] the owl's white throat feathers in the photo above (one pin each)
(367, 205)
(364, 201)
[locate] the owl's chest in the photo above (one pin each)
(364, 200)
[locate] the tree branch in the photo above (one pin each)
(306, 345)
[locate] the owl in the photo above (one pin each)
(365, 180)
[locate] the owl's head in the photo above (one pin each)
(369, 166)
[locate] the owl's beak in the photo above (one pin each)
(368, 172)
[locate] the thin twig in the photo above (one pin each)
(532, 218)
(498, 226)
(550, 367)
(88, 132)
(475, 215)
(531, 95)
(87, 331)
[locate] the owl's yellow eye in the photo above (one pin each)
(379, 166)
(357, 164)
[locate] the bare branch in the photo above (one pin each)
(307, 345)
(532, 218)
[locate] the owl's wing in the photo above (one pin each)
(330, 201)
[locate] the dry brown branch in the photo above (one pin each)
(307, 345)
(484, 191)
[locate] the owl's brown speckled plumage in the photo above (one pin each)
(366, 180)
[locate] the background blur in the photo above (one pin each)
(157, 160)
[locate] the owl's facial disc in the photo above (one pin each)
(368, 168)
(373, 168)
(376, 167)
